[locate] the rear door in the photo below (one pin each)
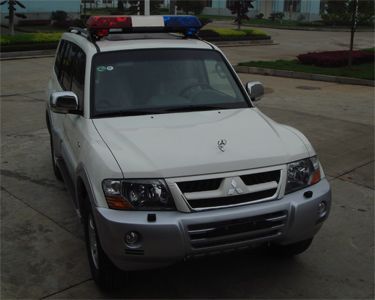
(73, 79)
(70, 76)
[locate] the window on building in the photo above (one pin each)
(292, 5)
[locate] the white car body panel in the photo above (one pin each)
(164, 146)
(185, 144)
(182, 150)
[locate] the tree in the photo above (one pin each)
(120, 5)
(240, 8)
(195, 6)
(138, 6)
(349, 13)
(353, 7)
(339, 12)
(12, 8)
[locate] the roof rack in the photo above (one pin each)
(79, 30)
(101, 26)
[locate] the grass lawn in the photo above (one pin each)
(28, 38)
(228, 32)
(363, 71)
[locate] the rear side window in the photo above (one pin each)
(70, 69)
(78, 76)
(59, 58)
(66, 67)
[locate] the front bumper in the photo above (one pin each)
(167, 240)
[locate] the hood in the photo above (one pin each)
(186, 144)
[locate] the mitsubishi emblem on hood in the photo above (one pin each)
(221, 144)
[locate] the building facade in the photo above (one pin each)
(308, 10)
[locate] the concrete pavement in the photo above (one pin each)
(290, 43)
(42, 248)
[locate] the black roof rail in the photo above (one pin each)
(85, 33)
(79, 30)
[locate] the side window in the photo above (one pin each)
(59, 57)
(66, 67)
(78, 78)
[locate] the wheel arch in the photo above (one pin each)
(84, 195)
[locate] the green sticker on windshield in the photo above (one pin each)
(101, 69)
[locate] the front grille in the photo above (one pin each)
(231, 200)
(199, 185)
(229, 190)
(258, 178)
(237, 230)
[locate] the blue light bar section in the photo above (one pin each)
(189, 25)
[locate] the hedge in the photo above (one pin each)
(335, 58)
(30, 38)
(216, 34)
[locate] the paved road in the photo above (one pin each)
(290, 43)
(43, 254)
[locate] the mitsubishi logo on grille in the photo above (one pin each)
(234, 188)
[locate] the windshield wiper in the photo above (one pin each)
(194, 108)
(140, 112)
(126, 113)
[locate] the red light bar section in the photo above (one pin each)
(107, 22)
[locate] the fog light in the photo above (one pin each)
(322, 209)
(131, 238)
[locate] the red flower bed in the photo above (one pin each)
(335, 58)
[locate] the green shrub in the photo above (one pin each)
(27, 38)
(254, 32)
(227, 32)
(59, 16)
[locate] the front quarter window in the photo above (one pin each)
(162, 80)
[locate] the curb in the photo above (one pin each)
(307, 28)
(301, 75)
(26, 54)
(243, 43)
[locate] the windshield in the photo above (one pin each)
(160, 81)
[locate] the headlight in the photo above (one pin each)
(302, 173)
(142, 194)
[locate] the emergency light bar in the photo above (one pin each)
(100, 26)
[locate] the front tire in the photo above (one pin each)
(105, 274)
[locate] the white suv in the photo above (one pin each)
(165, 154)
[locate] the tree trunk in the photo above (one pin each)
(239, 18)
(352, 31)
(11, 18)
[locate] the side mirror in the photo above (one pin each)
(64, 102)
(255, 90)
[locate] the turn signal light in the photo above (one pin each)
(315, 178)
(118, 202)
